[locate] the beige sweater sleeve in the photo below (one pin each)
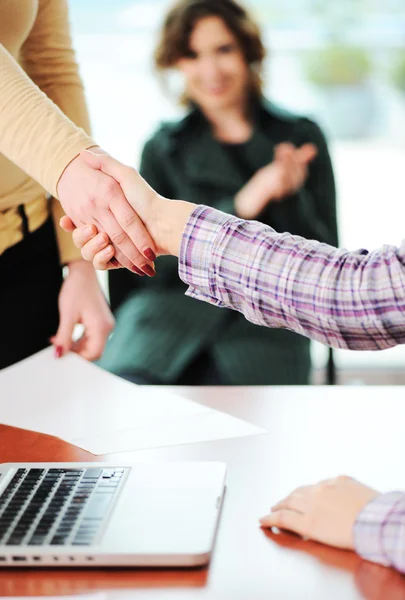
(48, 58)
(34, 133)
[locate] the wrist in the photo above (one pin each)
(73, 161)
(251, 199)
(171, 217)
(81, 266)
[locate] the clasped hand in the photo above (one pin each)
(160, 219)
(91, 197)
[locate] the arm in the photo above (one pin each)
(34, 133)
(352, 300)
(379, 531)
(296, 191)
(43, 142)
(49, 60)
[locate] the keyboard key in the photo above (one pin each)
(107, 473)
(15, 540)
(37, 540)
(58, 540)
(98, 506)
(92, 473)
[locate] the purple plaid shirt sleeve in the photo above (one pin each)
(344, 299)
(379, 532)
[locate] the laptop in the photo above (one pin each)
(96, 514)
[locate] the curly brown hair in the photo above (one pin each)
(183, 17)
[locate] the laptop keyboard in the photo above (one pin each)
(57, 507)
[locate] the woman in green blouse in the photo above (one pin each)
(241, 154)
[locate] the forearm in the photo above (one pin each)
(250, 201)
(379, 532)
(343, 299)
(34, 133)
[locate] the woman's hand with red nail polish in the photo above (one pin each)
(95, 247)
(88, 195)
(82, 301)
(164, 219)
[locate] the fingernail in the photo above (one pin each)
(88, 230)
(150, 255)
(114, 262)
(58, 352)
(137, 271)
(148, 270)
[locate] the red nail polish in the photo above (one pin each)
(137, 271)
(149, 271)
(150, 255)
(114, 262)
(58, 352)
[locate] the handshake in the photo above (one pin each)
(118, 220)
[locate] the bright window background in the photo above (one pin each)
(359, 99)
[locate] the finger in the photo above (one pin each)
(306, 153)
(134, 227)
(83, 234)
(117, 257)
(285, 519)
(114, 264)
(90, 346)
(124, 213)
(283, 150)
(67, 224)
(95, 245)
(63, 337)
(122, 243)
(295, 501)
(105, 260)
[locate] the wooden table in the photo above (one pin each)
(313, 433)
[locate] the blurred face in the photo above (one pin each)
(215, 70)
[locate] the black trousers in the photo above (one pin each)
(30, 281)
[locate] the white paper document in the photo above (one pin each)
(86, 406)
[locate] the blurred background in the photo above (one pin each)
(342, 63)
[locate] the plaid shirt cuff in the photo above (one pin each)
(379, 531)
(198, 257)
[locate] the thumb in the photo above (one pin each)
(62, 340)
(307, 153)
(283, 151)
(105, 163)
(91, 344)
